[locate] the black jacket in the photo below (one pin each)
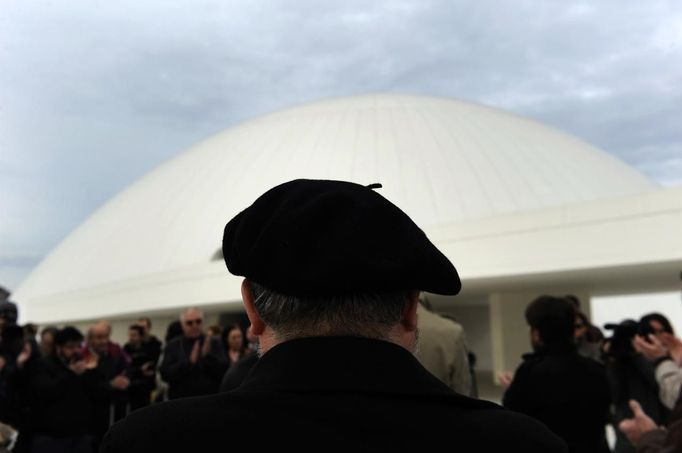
(186, 379)
(63, 402)
(139, 357)
(333, 394)
(152, 347)
(568, 393)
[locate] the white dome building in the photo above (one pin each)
(511, 202)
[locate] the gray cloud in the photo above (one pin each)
(94, 94)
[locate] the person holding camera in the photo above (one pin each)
(632, 377)
(664, 350)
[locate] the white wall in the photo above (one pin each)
(614, 309)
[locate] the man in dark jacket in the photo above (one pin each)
(194, 363)
(567, 392)
(112, 363)
(142, 371)
(333, 272)
(152, 346)
(65, 389)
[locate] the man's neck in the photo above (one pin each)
(269, 339)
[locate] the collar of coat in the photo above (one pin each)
(346, 365)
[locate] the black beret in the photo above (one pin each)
(316, 237)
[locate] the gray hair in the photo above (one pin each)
(188, 310)
(369, 315)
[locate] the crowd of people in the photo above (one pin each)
(61, 391)
(338, 356)
(576, 381)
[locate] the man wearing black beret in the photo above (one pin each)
(332, 274)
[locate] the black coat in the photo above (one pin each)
(113, 406)
(140, 356)
(568, 393)
(333, 394)
(186, 379)
(64, 403)
(152, 347)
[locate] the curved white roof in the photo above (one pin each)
(442, 161)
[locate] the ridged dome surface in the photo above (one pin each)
(440, 160)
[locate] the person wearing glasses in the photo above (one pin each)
(194, 363)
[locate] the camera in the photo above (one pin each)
(623, 334)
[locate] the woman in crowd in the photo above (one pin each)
(233, 337)
(588, 338)
(657, 324)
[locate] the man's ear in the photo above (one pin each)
(257, 324)
(409, 320)
(535, 337)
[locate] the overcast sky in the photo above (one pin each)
(93, 94)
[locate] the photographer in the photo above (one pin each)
(660, 346)
(631, 377)
(665, 351)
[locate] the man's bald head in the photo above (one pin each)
(98, 337)
(103, 326)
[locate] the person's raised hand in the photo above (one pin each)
(194, 355)
(674, 346)
(652, 349)
(639, 424)
(91, 361)
(120, 382)
(148, 369)
(206, 348)
(505, 378)
(24, 355)
(78, 367)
